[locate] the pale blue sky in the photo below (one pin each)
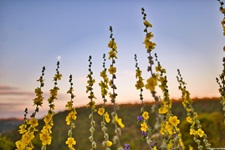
(188, 35)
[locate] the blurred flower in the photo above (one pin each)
(108, 143)
(106, 116)
(101, 111)
(151, 84)
(174, 121)
(147, 24)
(119, 121)
(70, 142)
(145, 115)
(112, 70)
(144, 127)
(140, 118)
(200, 132)
(127, 147)
(144, 133)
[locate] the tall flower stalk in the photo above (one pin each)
(169, 122)
(91, 104)
(71, 117)
(221, 79)
(28, 128)
(150, 46)
(112, 70)
(142, 119)
(45, 135)
(192, 116)
(102, 110)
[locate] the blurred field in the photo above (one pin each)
(209, 110)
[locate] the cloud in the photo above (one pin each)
(6, 87)
(12, 90)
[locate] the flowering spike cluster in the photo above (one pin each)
(192, 116)
(102, 110)
(91, 104)
(152, 80)
(221, 83)
(112, 70)
(142, 119)
(221, 79)
(222, 10)
(71, 117)
(28, 128)
(45, 135)
(169, 122)
(149, 45)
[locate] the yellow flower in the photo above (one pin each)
(70, 142)
(149, 45)
(73, 114)
(69, 105)
(33, 122)
(192, 132)
(112, 44)
(108, 143)
(45, 137)
(139, 84)
(144, 127)
(190, 147)
(147, 24)
(22, 128)
(103, 74)
(169, 128)
(189, 119)
(20, 145)
(154, 148)
(145, 115)
(200, 132)
(68, 119)
(138, 73)
(106, 116)
(163, 110)
(170, 145)
(174, 121)
(112, 54)
(112, 70)
(48, 118)
(101, 111)
(151, 84)
(38, 100)
(58, 76)
(119, 121)
(223, 10)
(149, 35)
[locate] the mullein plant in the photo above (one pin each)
(169, 122)
(192, 116)
(91, 104)
(45, 134)
(142, 119)
(221, 79)
(152, 80)
(222, 10)
(71, 117)
(151, 83)
(169, 135)
(102, 110)
(28, 128)
(112, 71)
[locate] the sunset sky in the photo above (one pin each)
(33, 34)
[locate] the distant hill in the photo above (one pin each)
(130, 134)
(9, 124)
